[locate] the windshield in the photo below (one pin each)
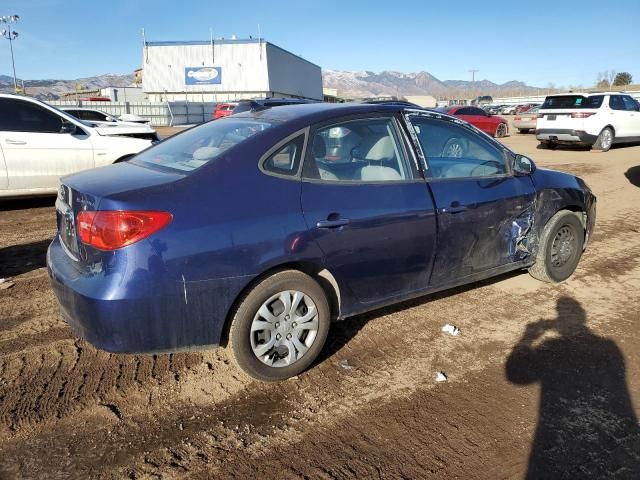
(572, 101)
(200, 145)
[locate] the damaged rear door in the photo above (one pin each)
(484, 212)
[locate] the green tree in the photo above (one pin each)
(623, 78)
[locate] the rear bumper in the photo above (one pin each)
(560, 135)
(104, 308)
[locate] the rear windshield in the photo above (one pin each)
(200, 145)
(573, 101)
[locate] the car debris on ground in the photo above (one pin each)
(451, 329)
(441, 377)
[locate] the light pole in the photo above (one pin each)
(10, 35)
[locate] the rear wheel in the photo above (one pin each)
(560, 248)
(280, 326)
(501, 130)
(605, 140)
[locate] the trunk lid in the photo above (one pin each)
(87, 190)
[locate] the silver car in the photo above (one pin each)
(526, 121)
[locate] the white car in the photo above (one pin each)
(509, 110)
(103, 119)
(39, 144)
(590, 119)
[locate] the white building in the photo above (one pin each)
(220, 70)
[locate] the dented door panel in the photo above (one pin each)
(482, 224)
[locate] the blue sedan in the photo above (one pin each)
(257, 230)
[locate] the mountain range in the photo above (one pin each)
(359, 84)
(53, 89)
(370, 84)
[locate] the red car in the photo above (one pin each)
(492, 124)
(223, 109)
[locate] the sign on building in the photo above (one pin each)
(202, 75)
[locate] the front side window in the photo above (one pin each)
(455, 151)
(200, 145)
(18, 116)
(367, 150)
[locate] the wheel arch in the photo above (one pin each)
(317, 272)
(124, 157)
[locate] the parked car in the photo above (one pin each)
(496, 109)
(39, 144)
(526, 121)
(132, 118)
(223, 109)
(169, 251)
(525, 107)
(98, 118)
(599, 120)
(508, 110)
(488, 123)
(258, 104)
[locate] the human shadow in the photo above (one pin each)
(587, 427)
(633, 175)
(23, 258)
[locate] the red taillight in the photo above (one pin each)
(113, 229)
(582, 114)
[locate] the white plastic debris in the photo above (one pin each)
(345, 364)
(441, 377)
(6, 283)
(451, 329)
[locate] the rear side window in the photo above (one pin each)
(286, 160)
(200, 145)
(616, 103)
(19, 116)
(464, 111)
(366, 150)
(572, 101)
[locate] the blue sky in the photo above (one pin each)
(564, 42)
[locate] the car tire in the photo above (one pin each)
(281, 340)
(559, 248)
(501, 130)
(604, 140)
(454, 148)
(523, 130)
(548, 145)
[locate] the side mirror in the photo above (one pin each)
(68, 127)
(523, 165)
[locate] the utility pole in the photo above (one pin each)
(10, 35)
(473, 80)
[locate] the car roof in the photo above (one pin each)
(310, 113)
(586, 94)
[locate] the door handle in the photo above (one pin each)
(339, 222)
(15, 142)
(455, 207)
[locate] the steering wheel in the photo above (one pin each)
(493, 163)
(454, 148)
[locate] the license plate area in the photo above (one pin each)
(551, 117)
(66, 221)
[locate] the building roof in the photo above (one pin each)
(223, 41)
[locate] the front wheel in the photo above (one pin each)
(605, 140)
(560, 248)
(280, 326)
(501, 130)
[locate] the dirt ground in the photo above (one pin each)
(544, 380)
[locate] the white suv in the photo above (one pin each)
(591, 119)
(39, 144)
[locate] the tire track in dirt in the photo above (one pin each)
(42, 385)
